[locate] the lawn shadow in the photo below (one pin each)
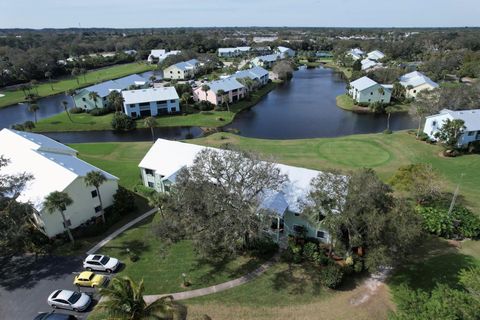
(298, 280)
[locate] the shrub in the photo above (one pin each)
(75, 110)
(423, 136)
(469, 225)
(387, 131)
(123, 201)
(309, 251)
(296, 253)
(144, 191)
(331, 276)
(133, 257)
(263, 246)
(122, 122)
(99, 112)
(321, 259)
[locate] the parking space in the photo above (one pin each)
(25, 285)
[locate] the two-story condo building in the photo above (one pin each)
(232, 88)
(471, 119)
(266, 61)
(258, 74)
(233, 52)
(181, 70)
(414, 82)
(83, 100)
(150, 102)
(158, 55)
(285, 52)
(54, 167)
(161, 165)
(365, 90)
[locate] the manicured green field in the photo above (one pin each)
(211, 119)
(92, 77)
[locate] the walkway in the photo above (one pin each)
(118, 231)
(216, 288)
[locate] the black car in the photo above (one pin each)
(54, 316)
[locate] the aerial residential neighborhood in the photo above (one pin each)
(239, 160)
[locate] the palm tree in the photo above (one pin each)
(205, 89)
(48, 75)
(152, 79)
(94, 96)
(185, 99)
(151, 122)
(221, 93)
(34, 108)
(75, 74)
(28, 125)
(158, 200)
(124, 301)
(84, 72)
(96, 179)
(34, 84)
(71, 93)
(65, 107)
(59, 201)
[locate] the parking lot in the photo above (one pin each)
(25, 285)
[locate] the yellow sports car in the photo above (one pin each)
(89, 279)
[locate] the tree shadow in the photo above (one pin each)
(25, 271)
(298, 280)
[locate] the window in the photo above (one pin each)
(151, 185)
(434, 123)
(297, 214)
(94, 193)
(144, 104)
(369, 100)
(471, 133)
(320, 234)
(134, 114)
(149, 172)
(132, 106)
(371, 93)
(173, 101)
(83, 99)
(98, 209)
(298, 228)
(166, 188)
(414, 91)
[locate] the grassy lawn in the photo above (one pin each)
(346, 71)
(92, 77)
(211, 119)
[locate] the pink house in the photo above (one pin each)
(234, 89)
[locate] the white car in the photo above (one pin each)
(66, 299)
(100, 263)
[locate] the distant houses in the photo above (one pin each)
(367, 91)
(233, 52)
(84, 99)
(266, 61)
(285, 52)
(471, 120)
(369, 65)
(158, 55)
(414, 82)
(356, 53)
(54, 167)
(375, 55)
(181, 70)
(232, 89)
(257, 74)
(150, 102)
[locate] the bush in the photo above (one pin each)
(321, 259)
(387, 131)
(123, 201)
(296, 253)
(99, 112)
(423, 136)
(133, 257)
(331, 276)
(309, 251)
(76, 110)
(144, 191)
(263, 247)
(122, 122)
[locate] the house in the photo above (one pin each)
(365, 90)
(414, 82)
(356, 53)
(471, 119)
(257, 74)
(369, 65)
(162, 163)
(83, 100)
(232, 88)
(266, 61)
(181, 70)
(323, 54)
(261, 50)
(158, 55)
(54, 167)
(150, 102)
(375, 55)
(285, 52)
(233, 52)
(130, 52)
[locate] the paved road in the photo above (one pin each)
(26, 284)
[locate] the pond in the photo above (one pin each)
(305, 108)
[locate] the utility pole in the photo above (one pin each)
(455, 195)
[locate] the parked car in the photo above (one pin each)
(54, 316)
(101, 263)
(72, 300)
(89, 279)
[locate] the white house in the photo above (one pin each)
(285, 52)
(414, 82)
(233, 52)
(365, 90)
(375, 55)
(150, 102)
(257, 74)
(368, 65)
(54, 167)
(471, 120)
(356, 53)
(181, 70)
(158, 55)
(266, 61)
(161, 165)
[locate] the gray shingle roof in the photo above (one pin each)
(252, 73)
(227, 84)
(104, 88)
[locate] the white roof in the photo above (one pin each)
(53, 165)
(157, 53)
(363, 83)
(252, 73)
(227, 84)
(376, 55)
(283, 49)
(227, 50)
(357, 51)
(167, 157)
(470, 117)
(416, 79)
(367, 64)
(267, 58)
(148, 95)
